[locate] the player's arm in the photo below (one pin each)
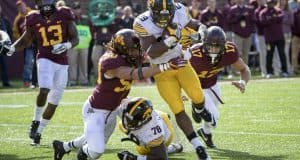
(73, 34)
(24, 41)
(199, 27)
(240, 65)
(140, 73)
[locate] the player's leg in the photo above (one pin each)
(167, 83)
(45, 75)
(191, 85)
(60, 80)
(96, 122)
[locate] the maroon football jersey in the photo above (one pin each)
(49, 32)
(207, 72)
(109, 92)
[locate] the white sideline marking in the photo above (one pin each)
(13, 106)
(24, 105)
(222, 132)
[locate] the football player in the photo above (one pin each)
(118, 67)
(208, 59)
(159, 31)
(151, 130)
(55, 32)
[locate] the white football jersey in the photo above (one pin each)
(152, 133)
(144, 26)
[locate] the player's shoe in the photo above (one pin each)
(81, 155)
(207, 138)
(175, 148)
(59, 150)
(33, 128)
(36, 139)
(202, 154)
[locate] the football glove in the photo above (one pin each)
(172, 35)
(126, 155)
(200, 35)
(174, 64)
(6, 48)
(61, 47)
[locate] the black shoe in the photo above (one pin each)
(202, 154)
(59, 150)
(204, 114)
(36, 139)
(207, 138)
(81, 155)
(33, 128)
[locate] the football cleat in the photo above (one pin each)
(81, 155)
(126, 155)
(36, 139)
(207, 138)
(202, 154)
(59, 150)
(33, 128)
(175, 148)
(204, 114)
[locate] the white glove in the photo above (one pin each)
(200, 35)
(241, 85)
(187, 54)
(6, 48)
(61, 47)
(11, 50)
(171, 41)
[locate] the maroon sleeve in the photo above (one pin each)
(112, 63)
(67, 13)
(31, 18)
(231, 53)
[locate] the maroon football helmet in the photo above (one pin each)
(126, 43)
(46, 7)
(214, 43)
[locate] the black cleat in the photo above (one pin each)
(81, 155)
(202, 154)
(36, 139)
(204, 114)
(207, 138)
(33, 128)
(59, 150)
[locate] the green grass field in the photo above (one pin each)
(262, 124)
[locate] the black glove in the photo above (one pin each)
(126, 155)
(5, 48)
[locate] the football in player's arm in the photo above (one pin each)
(159, 30)
(151, 130)
(118, 67)
(208, 59)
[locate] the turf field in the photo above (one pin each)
(262, 124)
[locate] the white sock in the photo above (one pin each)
(38, 112)
(199, 110)
(206, 128)
(76, 143)
(196, 142)
(140, 157)
(43, 124)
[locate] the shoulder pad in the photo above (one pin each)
(66, 12)
(31, 17)
(139, 29)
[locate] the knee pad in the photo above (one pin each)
(55, 96)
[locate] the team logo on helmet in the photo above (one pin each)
(137, 112)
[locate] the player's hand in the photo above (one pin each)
(6, 48)
(61, 47)
(126, 155)
(200, 34)
(187, 54)
(174, 64)
(241, 85)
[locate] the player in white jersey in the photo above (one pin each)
(159, 31)
(149, 129)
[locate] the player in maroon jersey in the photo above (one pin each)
(118, 67)
(55, 32)
(208, 59)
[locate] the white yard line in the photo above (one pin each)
(221, 132)
(13, 105)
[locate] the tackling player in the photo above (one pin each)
(159, 31)
(118, 67)
(208, 59)
(151, 130)
(55, 32)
